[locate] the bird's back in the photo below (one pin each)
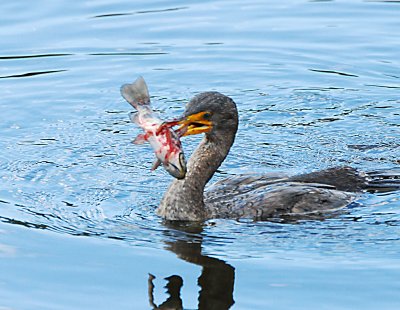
(272, 198)
(265, 197)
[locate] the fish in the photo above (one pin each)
(164, 140)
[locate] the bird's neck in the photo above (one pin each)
(184, 198)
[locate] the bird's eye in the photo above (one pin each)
(207, 115)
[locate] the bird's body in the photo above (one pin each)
(258, 197)
(266, 198)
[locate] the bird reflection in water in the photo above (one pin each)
(174, 285)
(216, 280)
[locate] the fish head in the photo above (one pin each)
(175, 164)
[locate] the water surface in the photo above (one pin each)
(317, 84)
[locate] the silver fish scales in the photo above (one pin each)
(163, 139)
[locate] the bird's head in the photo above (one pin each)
(211, 113)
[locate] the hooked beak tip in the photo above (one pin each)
(194, 124)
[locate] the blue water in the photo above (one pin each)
(317, 84)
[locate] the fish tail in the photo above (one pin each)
(136, 93)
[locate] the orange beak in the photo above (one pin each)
(195, 124)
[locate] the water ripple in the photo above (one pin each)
(67, 164)
(334, 72)
(129, 54)
(139, 12)
(384, 86)
(35, 56)
(29, 74)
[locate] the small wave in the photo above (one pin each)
(333, 72)
(30, 74)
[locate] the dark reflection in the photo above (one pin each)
(323, 89)
(173, 286)
(34, 56)
(213, 43)
(217, 278)
(128, 54)
(163, 10)
(22, 223)
(139, 12)
(334, 72)
(366, 147)
(383, 86)
(28, 74)
(111, 15)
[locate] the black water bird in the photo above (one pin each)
(258, 197)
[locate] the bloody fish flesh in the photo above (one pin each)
(164, 140)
